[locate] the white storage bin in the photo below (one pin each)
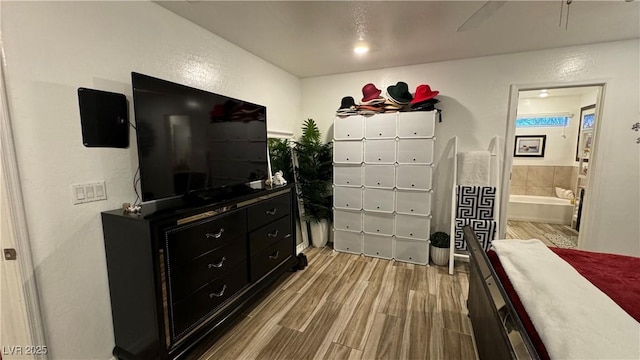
(378, 246)
(380, 151)
(346, 241)
(412, 226)
(415, 151)
(379, 176)
(350, 128)
(347, 175)
(413, 202)
(347, 152)
(414, 177)
(416, 124)
(413, 251)
(381, 126)
(378, 200)
(348, 220)
(347, 197)
(378, 223)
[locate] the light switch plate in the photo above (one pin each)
(88, 192)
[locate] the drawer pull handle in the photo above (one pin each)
(219, 293)
(216, 235)
(287, 236)
(273, 234)
(271, 212)
(218, 265)
(275, 256)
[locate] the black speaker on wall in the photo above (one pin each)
(104, 117)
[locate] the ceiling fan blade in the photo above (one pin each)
(481, 15)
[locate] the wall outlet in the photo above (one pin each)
(87, 192)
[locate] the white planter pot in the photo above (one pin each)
(439, 256)
(319, 233)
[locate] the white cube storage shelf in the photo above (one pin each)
(379, 200)
(347, 152)
(350, 128)
(414, 177)
(347, 197)
(347, 175)
(413, 226)
(380, 151)
(413, 202)
(348, 220)
(383, 168)
(381, 176)
(413, 251)
(378, 223)
(347, 241)
(377, 246)
(415, 151)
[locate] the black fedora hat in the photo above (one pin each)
(400, 92)
(347, 103)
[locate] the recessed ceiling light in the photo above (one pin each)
(543, 94)
(543, 90)
(361, 49)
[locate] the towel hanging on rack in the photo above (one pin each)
(484, 229)
(473, 168)
(475, 202)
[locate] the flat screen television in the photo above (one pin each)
(192, 141)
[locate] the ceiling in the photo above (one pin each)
(315, 38)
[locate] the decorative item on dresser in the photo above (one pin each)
(382, 185)
(178, 276)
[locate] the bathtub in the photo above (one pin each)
(543, 209)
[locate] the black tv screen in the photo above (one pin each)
(191, 140)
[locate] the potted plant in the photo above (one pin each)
(314, 174)
(280, 157)
(440, 248)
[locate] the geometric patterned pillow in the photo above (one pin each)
(475, 202)
(484, 229)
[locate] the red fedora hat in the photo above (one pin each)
(370, 92)
(424, 93)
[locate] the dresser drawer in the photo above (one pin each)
(265, 212)
(196, 307)
(189, 277)
(270, 258)
(190, 241)
(267, 235)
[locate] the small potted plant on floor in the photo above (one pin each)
(440, 248)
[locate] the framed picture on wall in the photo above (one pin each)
(529, 145)
(585, 132)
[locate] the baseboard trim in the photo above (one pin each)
(300, 248)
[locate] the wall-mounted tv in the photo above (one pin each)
(194, 141)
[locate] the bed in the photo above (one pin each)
(583, 304)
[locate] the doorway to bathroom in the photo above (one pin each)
(553, 139)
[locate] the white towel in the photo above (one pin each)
(473, 168)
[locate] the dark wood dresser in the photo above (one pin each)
(177, 277)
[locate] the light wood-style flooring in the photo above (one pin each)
(532, 230)
(345, 306)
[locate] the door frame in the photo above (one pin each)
(510, 138)
(18, 233)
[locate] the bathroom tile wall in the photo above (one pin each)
(541, 180)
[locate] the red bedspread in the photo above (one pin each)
(615, 275)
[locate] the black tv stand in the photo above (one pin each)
(178, 278)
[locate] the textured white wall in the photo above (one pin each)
(475, 98)
(52, 48)
(559, 151)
